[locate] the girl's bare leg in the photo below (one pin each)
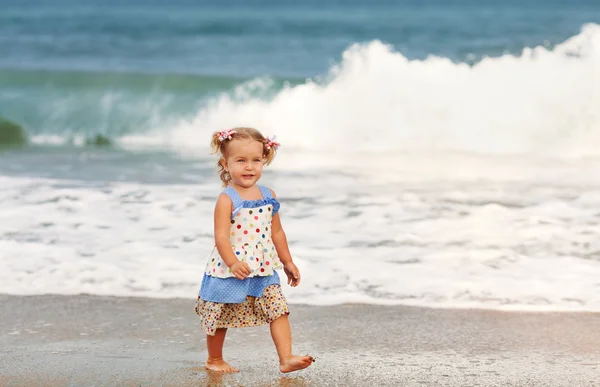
(282, 337)
(215, 360)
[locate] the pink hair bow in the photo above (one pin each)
(226, 134)
(271, 143)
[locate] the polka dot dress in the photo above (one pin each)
(227, 302)
(250, 236)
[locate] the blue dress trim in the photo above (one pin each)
(238, 203)
(234, 291)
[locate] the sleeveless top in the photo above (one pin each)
(249, 235)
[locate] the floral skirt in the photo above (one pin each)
(254, 311)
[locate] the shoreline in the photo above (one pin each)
(508, 308)
(57, 340)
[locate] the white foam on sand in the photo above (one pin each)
(450, 230)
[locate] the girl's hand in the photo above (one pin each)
(293, 274)
(241, 270)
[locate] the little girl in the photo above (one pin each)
(241, 287)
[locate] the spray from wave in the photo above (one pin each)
(375, 99)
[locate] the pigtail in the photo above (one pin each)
(271, 147)
(217, 143)
(218, 138)
(269, 154)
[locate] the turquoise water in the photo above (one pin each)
(86, 68)
(236, 39)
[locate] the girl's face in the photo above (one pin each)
(244, 162)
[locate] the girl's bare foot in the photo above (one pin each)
(219, 365)
(295, 363)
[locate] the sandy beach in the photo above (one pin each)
(109, 341)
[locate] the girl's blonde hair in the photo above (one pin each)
(220, 143)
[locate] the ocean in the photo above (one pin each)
(434, 153)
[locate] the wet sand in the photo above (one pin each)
(110, 341)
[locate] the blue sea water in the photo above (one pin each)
(66, 65)
(450, 143)
(282, 39)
